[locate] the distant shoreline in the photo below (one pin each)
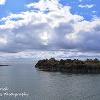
(76, 66)
(4, 65)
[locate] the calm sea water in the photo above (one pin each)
(23, 77)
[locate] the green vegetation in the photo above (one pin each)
(69, 66)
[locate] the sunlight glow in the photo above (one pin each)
(2, 2)
(3, 40)
(44, 38)
(71, 37)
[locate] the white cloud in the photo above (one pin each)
(55, 29)
(3, 40)
(42, 5)
(26, 56)
(86, 6)
(94, 12)
(2, 2)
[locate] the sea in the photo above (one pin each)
(22, 81)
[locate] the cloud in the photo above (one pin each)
(26, 56)
(94, 11)
(48, 25)
(86, 6)
(2, 2)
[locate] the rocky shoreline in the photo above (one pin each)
(69, 66)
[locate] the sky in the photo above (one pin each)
(59, 28)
